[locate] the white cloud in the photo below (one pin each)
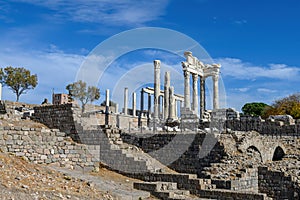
(245, 89)
(266, 90)
(247, 82)
(242, 70)
(126, 12)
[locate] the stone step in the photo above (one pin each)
(163, 190)
(129, 157)
(184, 181)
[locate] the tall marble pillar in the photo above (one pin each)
(107, 107)
(166, 95)
(141, 108)
(187, 103)
(216, 91)
(171, 103)
(195, 93)
(134, 104)
(156, 87)
(125, 101)
(107, 97)
(176, 109)
(117, 108)
(202, 97)
(142, 102)
(160, 106)
(149, 106)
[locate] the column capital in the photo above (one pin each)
(203, 77)
(186, 73)
(215, 77)
(156, 64)
(195, 76)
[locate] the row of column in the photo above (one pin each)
(162, 103)
(169, 101)
(171, 104)
(187, 102)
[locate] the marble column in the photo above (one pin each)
(142, 101)
(160, 106)
(171, 103)
(187, 103)
(202, 97)
(176, 109)
(149, 106)
(107, 107)
(166, 95)
(141, 108)
(134, 104)
(156, 88)
(117, 108)
(216, 91)
(195, 93)
(125, 101)
(107, 97)
(162, 101)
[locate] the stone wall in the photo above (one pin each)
(190, 161)
(248, 181)
(270, 127)
(276, 185)
(186, 148)
(149, 142)
(57, 116)
(199, 187)
(42, 145)
(65, 117)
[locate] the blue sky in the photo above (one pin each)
(256, 42)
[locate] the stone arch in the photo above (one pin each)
(278, 153)
(253, 148)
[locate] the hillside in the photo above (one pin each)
(23, 180)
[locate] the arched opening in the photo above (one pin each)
(254, 154)
(278, 154)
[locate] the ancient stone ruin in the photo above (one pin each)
(216, 155)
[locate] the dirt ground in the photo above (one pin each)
(23, 180)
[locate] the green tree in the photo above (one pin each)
(79, 90)
(255, 108)
(18, 79)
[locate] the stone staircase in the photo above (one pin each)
(133, 155)
(105, 143)
(164, 190)
(188, 182)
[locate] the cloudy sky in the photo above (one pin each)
(256, 42)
